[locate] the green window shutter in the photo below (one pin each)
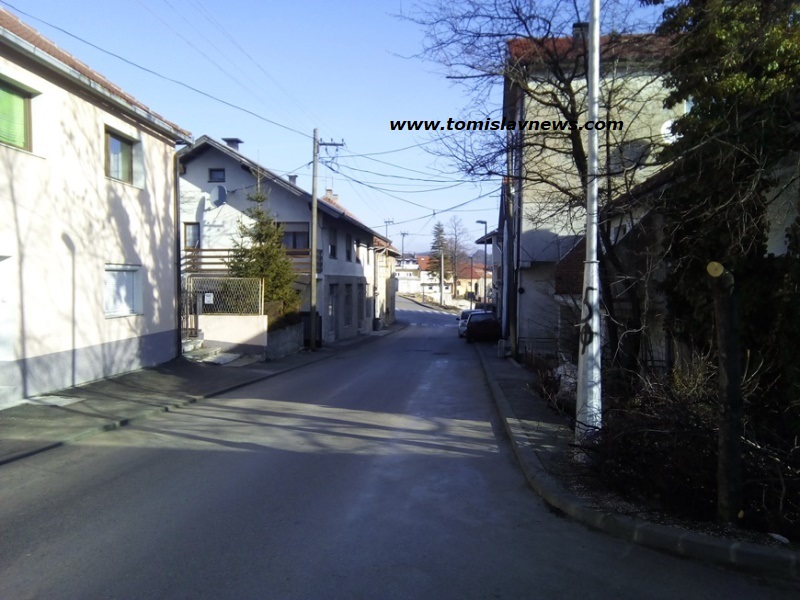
(13, 118)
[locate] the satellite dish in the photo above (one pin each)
(666, 132)
(218, 195)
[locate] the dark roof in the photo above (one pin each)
(23, 38)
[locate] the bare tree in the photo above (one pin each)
(535, 51)
(457, 247)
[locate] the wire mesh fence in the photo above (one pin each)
(224, 295)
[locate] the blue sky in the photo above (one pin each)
(341, 67)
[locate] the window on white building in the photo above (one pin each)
(332, 235)
(191, 235)
(122, 294)
(216, 175)
(15, 116)
(295, 236)
(119, 157)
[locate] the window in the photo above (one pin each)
(358, 250)
(122, 294)
(348, 248)
(119, 157)
(191, 235)
(348, 305)
(332, 235)
(216, 175)
(361, 301)
(295, 236)
(15, 116)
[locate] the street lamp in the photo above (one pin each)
(485, 233)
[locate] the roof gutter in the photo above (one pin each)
(43, 58)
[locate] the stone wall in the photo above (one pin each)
(284, 342)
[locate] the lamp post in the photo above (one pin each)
(485, 233)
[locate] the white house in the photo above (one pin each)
(542, 217)
(216, 180)
(87, 242)
(408, 275)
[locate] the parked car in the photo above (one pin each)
(462, 321)
(482, 325)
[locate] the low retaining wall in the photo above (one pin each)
(235, 333)
(284, 341)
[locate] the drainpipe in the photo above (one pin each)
(176, 189)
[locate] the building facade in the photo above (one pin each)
(87, 248)
(216, 184)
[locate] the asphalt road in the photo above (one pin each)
(380, 473)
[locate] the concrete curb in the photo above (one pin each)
(748, 557)
(113, 424)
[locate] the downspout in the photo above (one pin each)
(177, 217)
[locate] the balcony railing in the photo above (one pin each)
(216, 260)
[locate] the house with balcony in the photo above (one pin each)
(88, 254)
(216, 181)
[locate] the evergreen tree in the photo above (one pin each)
(439, 251)
(260, 253)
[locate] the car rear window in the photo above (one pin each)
(481, 316)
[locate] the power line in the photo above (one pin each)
(159, 75)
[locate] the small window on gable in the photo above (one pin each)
(119, 157)
(15, 116)
(216, 175)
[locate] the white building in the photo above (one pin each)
(216, 180)
(87, 242)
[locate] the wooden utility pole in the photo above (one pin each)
(731, 406)
(441, 277)
(312, 343)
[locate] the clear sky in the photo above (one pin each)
(338, 66)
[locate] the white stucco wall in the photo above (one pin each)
(64, 220)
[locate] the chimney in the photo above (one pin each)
(580, 32)
(233, 143)
(293, 179)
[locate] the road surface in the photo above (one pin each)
(382, 472)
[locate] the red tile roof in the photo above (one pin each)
(633, 47)
(14, 25)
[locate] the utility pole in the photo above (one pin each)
(471, 280)
(485, 234)
(312, 343)
(403, 244)
(441, 276)
(588, 412)
(388, 222)
(731, 407)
